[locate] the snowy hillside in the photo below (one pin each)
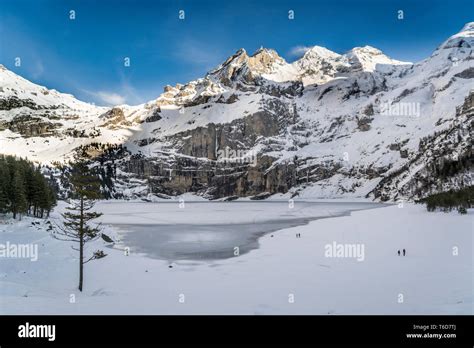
(327, 125)
(431, 279)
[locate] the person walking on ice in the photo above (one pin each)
(398, 252)
(404, 252)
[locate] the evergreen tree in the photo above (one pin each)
(48, 202)
(460, 199)
(18, 200)
(76, 224)
(4, 203)
(40, 195)
(23, 188)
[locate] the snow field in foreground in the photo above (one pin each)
(286, 275)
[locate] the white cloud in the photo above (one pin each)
(131, 95)
(298, 51)
(38, 69)
(111, 98)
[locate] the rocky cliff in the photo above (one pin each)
(358, 124)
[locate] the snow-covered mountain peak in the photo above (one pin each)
(242, 68)
(16, 90)
(319, 65)
(265, 51)
(468, 27)
(319, 52)
(367, 51)
(369, 58)
(265, 61)
(302, 116)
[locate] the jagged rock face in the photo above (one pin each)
(466, 74)
(202, 170)
(155, 116)
(190, 94)
(319, 65)
(29, 126)
(291, 90)
(14, 102)
(115, 118)
(468, 105)
(364, 124)
(241, 69)
(448, 159)
(213, 180)
(263, 61)
(230, 100)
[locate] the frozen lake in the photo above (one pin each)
(211, 230)
(433, 279)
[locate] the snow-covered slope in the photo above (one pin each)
(432, 280)
(327, 125)
(43, 124)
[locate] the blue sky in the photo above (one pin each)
(85, 56)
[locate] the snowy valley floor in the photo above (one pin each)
(284, 275)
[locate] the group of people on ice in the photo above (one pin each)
(404, 252)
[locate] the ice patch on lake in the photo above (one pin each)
(212, 230)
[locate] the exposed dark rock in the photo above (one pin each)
(369, 110)
(202, 99)
(30, 126)
(106, 238)
(155, 116)
(230, 100)
(290, 90)
(403, 153)
(363, 124)
(115, 118)
(353, 90)
(199, 168)
(394, 147)
(14, 102)
(466, 74)
(327, 90)
(444, 157)
(260, 196)
(404, 93)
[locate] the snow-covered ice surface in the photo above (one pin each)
(431, 279)
(204, 230)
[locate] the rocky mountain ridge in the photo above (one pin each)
(358, 124)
